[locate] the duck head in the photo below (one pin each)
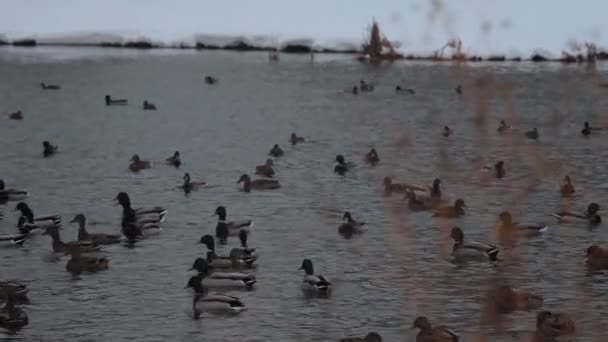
(347, 217)
(421, 323)
(457, 235)
(122, 199)
(542, 317)
(221, 212)
(459, 204)
(506, 218)
(587, 125)
(209, 242)
(80, 219)
(108, 99)
(592, 209)
(567, 180)
(25, 210)
(244, 179)
(340, 159)
(135, 158)
(196, 284)
(372, 337)
(201, 266)
(307, 267)
(46, 144)
(243, 238)
(176, 155)
(503, 124)
(186, 178)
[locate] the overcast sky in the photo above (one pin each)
(509, 25)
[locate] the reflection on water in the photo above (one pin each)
(396, 271)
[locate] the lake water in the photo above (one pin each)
(397, 270)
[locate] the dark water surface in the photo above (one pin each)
(397, 270)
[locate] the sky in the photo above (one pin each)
(484, 26)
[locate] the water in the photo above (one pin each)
(396, 271)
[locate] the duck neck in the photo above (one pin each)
(247, 185)
(221, 217)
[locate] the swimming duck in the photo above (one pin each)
(567, 188)
(371, 157)
(471, 249)
(68, 247)
(429, 334)
(418, 203)
(503, 127)
(137, 164)
(211, 80)
(504, 299)
(507, 228)
(27, 221)
(349, 226)
(245, 250)
(12, 317)
(597, 258)
(499, 169)
(365, 87)
(370, 337)
(202, 301)
(212, 279)
(456, 210)
(45, 86)
(49, 149)
(114, 102)
(276, 151)
(85, 264)
(355, 90)
(265, 170)
(551, 325)
(590, 216)
(311, 282)
(223, 229)
(458, 89)
(294, 139)
(447, 131)
(533, 134)
(410, 91)
(341, 167)
(149, 106)
(174, 160)
(189, 185)
(390, 187)
(258, 184)
(10, 194)
(586, 131)
(236, 260)
(96, 238)
(18, 115)
(143, 221)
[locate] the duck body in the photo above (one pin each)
(11, 194)
(28, 222)
(454, 211)
(174, 160)
(312, 283)
(140, 222)
(533, 134)
(95, 238)
(114, 102)
(294, 139)
(12, 317)
(372, 157)
(236, 260)
(48, 149)
(341, 167)
(226, 228)
(86, 264)
(258, 184)
(18, 115)
(204, 302)
(265, 170)
(504, 300)
(370, 337)
(276, 151)
(471, 250)
(137, 164)
(429, 333)
(590, 217)
(390, 187)
(597, 258)
(211, 80)
(13, 289)
(349, 226)
(225, 280)
(149, 106)
(552, 325)
(45, 86)
(189, 185)
(508, 229)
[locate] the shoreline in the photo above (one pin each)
(301, 49)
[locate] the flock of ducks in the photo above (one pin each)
(233, 271)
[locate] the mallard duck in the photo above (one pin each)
(597, 258)
(390, 187)
(45, 86)
(551, 325)
(399, 89)
(370, 337)
(49, 149)
(371, 157)
(258, 184)
(68, 247)
(503, 127)
(245, 249)
(567, 188)
(223, 229)
(12, 317)
(11, 194)
(143, 221)
(471, 249)
(174, 160)
(365, 87)
(265, 170)
(276, 151)
(27, 221)
(236, 260)
(504, 299)
(149, 106)
(13, 289)
(189, 185)
(114, 102)
(533, 134)
(458, 89)
(137, 164)
(341, 168)
(213, 279)
(447, 131)
(211, 80)
(85, 264)
(456, 210)
(507, 228)
(429, 334)
(18, 115)
(96, 238)
(349, 226)
(203, 302)
(591, 216)
(311, 282)
(294, 139)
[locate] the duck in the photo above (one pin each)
(551, 325)
(203, 302)
(341, 168)
(586, 131)
(49, 149)
(236, 260)
(143, 221)
(68, 247)
(245, 250)
(454, 211)
(223, 229)
(258, 184)
(189, 186)
(597, 257)
(294, 139)
(503, 127)
(590, 216)
(14, 289)
(95, 238)
(45, 86)
(370, 337)
(276, 151)
(428, 333)
(211, 80)
(114, 102)
(499, 169)
(28, 222)
(418, 203)
(355, 90)
(471, 249)
(365, 87)
(265, 170)
(458, 89)
(311, 282)
(137, 164)
(504, 299)
(390, 187)
(232, 280)
(174, 160)
(507, 228)
(12, 317)
(18, 115)
(79, 263)
(11, 194)
(349, 226)
(149, 106)
(567, 188)
(533, 134)
(371, 157)
(447, 131)
(410, 91)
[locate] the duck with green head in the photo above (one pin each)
(590, 216)
(204, 302)
(313, 283)
(471, 250)
(28, 222)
